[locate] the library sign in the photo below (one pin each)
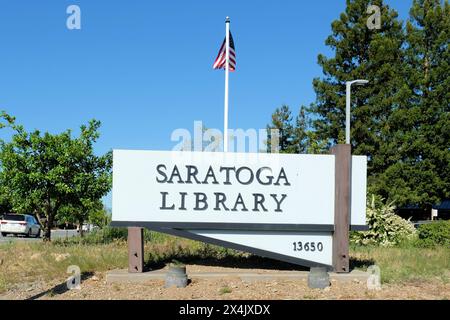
(275, 205)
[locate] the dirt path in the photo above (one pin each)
(95, 287)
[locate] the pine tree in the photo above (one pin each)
(361, 53)
(401, 119)
(421, 172)
(282, 122)
(293, 135)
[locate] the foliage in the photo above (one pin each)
(5, 203)
(420, 127)
(360, 53)
(434, 234)
(46, 174)
(109, 234)
(385, 227)
(100, 217)
(293, 135)
(401, 119)
(105, 235)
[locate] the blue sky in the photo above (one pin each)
(144, 68)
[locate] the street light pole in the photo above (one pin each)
(348, 104)
(347, 112)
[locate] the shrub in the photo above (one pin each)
(101, 236)
(385, 227)
(434, 234)
(111, 234)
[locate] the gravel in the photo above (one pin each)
(95, 287)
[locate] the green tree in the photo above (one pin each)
(361, 53)
(282, 123)
(83, 211)
(100, 217)
(421, 171)
(5, 203)
(44, 173)
(294, 134)
(401, 119)
(291, 132)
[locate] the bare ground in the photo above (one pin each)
(94, 287)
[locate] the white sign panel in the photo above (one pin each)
(158, 186)
(278, 205)
(359, 189)
(166, 186)
(312, 247)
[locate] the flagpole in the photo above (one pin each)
(227, 69)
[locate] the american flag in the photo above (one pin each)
(221, 57)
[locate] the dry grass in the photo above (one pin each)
(25, 262)
(29, 262)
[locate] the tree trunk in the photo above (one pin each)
(81, 229)
(48, 227)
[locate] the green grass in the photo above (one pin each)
(225, 290)
(404, 263)
(35, 261)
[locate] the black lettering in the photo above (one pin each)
(220, 199)
(238, 175)
(227, 170)
(164, 206)
(274, 196)
(259, 200)
(282, 175)
(175, 173)
(158, 168)
(183, 200)
(199, 200)
(192, 172)
(269, 177)
(210, 174)
(239, 201)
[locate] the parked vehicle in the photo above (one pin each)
(87, 227)
(16, 224)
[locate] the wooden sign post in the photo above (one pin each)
(342, 205)
(135, 250)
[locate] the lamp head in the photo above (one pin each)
(361, 82)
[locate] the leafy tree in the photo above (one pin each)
(294, 134)
(421, 170)
(282, 122)
(5, 203)
(45, 173)
(100, 217)
(400, 120)
(82, 212)
(361, 53)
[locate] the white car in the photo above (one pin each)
(87, 227)
(16, 224)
